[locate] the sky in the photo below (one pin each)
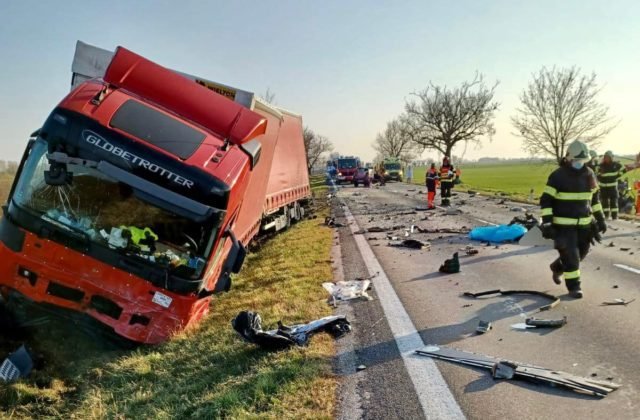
(346, 66)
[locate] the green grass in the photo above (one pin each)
(513, 180)
(208, 371)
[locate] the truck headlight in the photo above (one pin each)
(339, 173)
(400, 173)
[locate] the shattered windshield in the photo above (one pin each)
(107, 212)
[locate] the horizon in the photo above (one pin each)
(333, 64)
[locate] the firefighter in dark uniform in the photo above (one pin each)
(609, 172)
(593, 163)
(447, 175)
(572, 215)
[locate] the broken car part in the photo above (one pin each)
(410, 243)
(618, 301)
(451, 266)
(554, 299)
(483, 327)
(17, 365)
(546, 323)
(347, 290)
(249, 325)
(506, 369)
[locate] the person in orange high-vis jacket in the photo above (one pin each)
(447, 177)
(432, 181)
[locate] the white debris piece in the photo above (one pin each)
(347, 290)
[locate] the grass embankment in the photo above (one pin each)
(206, 372)
(512, 180)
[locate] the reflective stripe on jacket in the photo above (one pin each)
(571, 197)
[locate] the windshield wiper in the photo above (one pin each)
(61, 226)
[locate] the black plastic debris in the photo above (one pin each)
(410, 243)
(529, 221)
(507, 369)
(554, 299)
(546, 323)
(249, 325)
(17, 365)
(451, 266)
(483, 327)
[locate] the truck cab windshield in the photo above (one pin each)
(109, 214)
(392, 166)
(347, 163)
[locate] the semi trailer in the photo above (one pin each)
(134, 202)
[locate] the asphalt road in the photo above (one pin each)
(598, 341)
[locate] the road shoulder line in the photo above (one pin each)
(434, 394)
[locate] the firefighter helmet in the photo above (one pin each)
(609, 153)
(577, 150)
(593, 154)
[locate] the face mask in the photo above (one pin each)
(577, 164)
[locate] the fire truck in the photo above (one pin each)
(134, 202)
(347, 167)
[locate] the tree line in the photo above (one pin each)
(556, 107)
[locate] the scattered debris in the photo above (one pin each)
(470, 250)
(17, 365)
(361, 368)
(611, 245)
(518, 209)
(505, 369)
(410, 243)
(615, 286)
(451, 266)
(376, 229)
(249, 325)
(422, 208)
(331, 222)
(483, 327)
(625, 249)
(452, 211)
(529, 221)
(347, 290)
(472, 193)
(618, 301)
(546, 323)
(554, 299)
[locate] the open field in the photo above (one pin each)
(206, 372)
(514, 180)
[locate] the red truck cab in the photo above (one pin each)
(347, 168)
(128, 203)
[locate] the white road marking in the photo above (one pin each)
(626, 267)
(485, 222)
(434, 394)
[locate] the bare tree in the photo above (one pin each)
(269, 97)
(557, 107)
(439, 117)
(395, 141)
(315, 146)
